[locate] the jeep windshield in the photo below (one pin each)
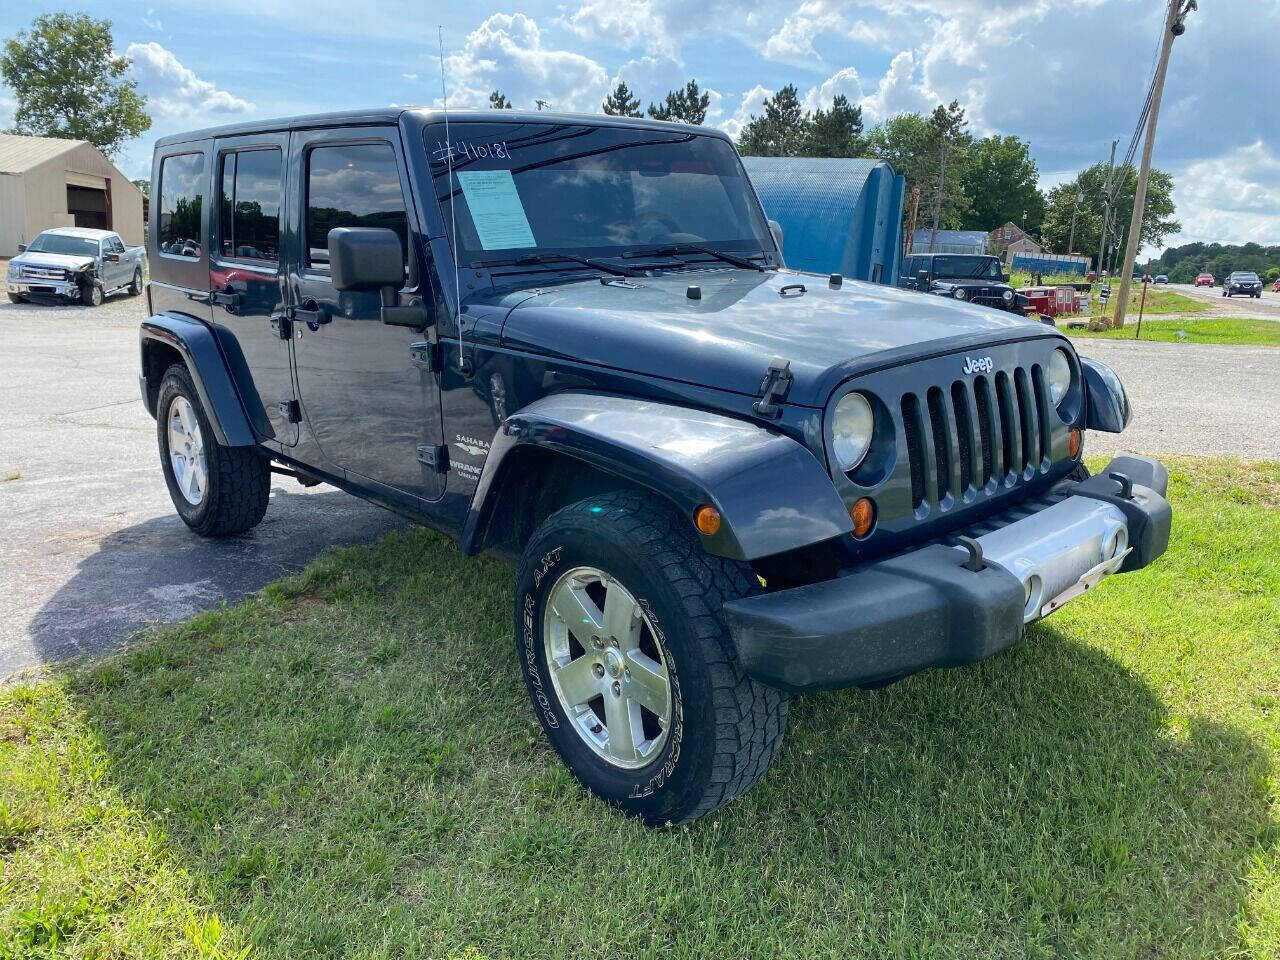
(526, 192)
(62, 243)
(966, 268)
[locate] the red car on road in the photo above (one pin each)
(1276, 288)
(1205, 280)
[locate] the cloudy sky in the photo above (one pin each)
(1066, 75)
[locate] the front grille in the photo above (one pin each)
(985, 300)
(976, 433)
(43, 273)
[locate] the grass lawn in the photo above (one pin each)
(1237, 330)
(347, 765)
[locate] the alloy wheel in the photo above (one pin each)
(608, 667)
(186, 451)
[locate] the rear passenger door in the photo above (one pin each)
(373, 412)
(246, 287)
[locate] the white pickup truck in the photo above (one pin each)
(74, 265)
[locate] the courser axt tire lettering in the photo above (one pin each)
(722, 729)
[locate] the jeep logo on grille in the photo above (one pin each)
(978, 365)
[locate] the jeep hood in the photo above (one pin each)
(743, 320)
(62, 261)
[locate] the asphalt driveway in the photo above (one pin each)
(91, 549)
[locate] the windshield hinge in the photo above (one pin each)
(774, 387)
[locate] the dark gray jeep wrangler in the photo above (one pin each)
(572, 341)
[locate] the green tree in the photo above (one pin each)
(70, 84)
(836, 132)
(1001, 181)
(498, 101)
(1157, 219)
(621, 103)
(781, 132)
(683, 106)
(914, 145)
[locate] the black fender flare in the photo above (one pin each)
(198, 347)
(1106, 402)
(772, 493)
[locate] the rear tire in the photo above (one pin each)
(135, 286)
(217, 490)
(721, 729)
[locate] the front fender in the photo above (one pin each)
(772, 493)
(198, 348)
(1106, 403)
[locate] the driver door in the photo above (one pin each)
(371, 402)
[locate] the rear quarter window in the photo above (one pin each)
(182, 180)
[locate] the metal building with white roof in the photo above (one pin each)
(46, 182)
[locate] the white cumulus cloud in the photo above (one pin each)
(174, 91)
(506, 53)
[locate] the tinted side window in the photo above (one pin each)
(355, 185)
(181, 197)
(249, 206)
(113, 245)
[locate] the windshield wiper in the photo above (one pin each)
(676, 249)
(593, 262)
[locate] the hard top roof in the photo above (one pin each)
(423, 116)
(89, 233)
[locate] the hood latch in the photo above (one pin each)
(773, 388)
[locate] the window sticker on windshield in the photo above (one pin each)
(463, 150)
(496, 210)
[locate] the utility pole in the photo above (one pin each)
(1106, 210)
(937, 200)
(1075, 211)
(1173, 27)
(911, 222)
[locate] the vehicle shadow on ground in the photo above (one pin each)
(159, 572)
(358, 745)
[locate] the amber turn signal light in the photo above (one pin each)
(1074, 448)
(707, 519)
(863, 515)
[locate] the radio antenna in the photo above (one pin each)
(463, 366)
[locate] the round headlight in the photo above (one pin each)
(1059, 375)
(852, 425)
(958, 293)
(1008, 296)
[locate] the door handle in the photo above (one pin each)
(311, 313)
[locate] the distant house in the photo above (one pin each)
(838, 215)
(1011, 240)
(949, 241)
(46, 182)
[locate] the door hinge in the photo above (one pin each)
(425, 355)
(281, 326)
(291, 410)
(434, 456)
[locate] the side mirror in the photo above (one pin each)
(776, 229)
(371, 258)
(922, 280)
(113, 258)
(365, 258)
(22, 248)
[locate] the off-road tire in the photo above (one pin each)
(135, 285)
(725, 727)
(239, 479)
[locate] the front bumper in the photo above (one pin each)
(43, 288)
(931, 608)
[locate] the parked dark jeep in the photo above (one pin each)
(572, 341)
(969, 277)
